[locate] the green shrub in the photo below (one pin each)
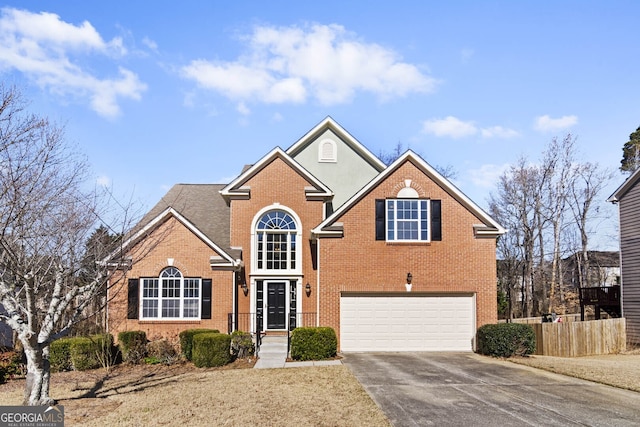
(506, 340)
(313, 343)
(60, 355)
(211, 349)
(84, 354)
(186, 340)
(10, 364)
(241, 344)
(133, 346)
(160, 351)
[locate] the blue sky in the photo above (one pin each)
(158, 93)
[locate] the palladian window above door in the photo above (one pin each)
(276, 245)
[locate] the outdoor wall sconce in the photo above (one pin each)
(307, 288)
(408, 284)
(245, 290)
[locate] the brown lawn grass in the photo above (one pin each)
(618, 370)
(231, 396)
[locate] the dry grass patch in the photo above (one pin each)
(183, 394)
(618, 370)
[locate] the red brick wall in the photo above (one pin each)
(357, 262)
(191, 256)
(277, 182)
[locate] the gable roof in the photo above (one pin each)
(625, 187)
(489, 227)
(201, 209)
(237, 190)
(329, 123)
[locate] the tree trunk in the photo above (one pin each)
(36, 391)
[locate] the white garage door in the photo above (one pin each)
(407, 323)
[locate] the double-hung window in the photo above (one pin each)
(171, 296)
(407, 220)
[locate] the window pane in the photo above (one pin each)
(191, 308)
(191, 288)
(149, 308)
(170, 288)
(171, 308)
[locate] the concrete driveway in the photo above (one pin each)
(466, 389)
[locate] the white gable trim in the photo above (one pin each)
(235, 190)
(329, 123)
(626, 186)
(489, 228)
(155, 222)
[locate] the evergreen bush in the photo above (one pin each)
(506, 340)
(211, 349)
(133, 346)
(313, 343)
(186, 340)
(60, 355)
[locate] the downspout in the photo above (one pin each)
(318, 283)
(234, 309)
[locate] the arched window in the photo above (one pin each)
(276, 233)
(170, 296)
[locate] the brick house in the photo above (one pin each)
(393, 258)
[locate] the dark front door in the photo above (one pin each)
(276, 305)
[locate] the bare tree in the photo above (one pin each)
(46, 216)
(589, 180)
(544, 205)
(514, 207)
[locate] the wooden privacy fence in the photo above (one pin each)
(588, 338)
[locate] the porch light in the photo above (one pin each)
(408, 284)
(307, 288)
(245, 290)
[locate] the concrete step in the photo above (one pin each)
(273, 352)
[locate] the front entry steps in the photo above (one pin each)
(273, 352)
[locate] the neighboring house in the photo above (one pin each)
(627, 196)
(604, 269)
(320, 234)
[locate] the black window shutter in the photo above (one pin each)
(133, 294)
(436, 220)
(205, 311)
(380, 219)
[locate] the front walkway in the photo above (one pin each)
(274, 351)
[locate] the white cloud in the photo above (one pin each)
(499, 132)
(487, 175)
(150, 44)
(548, 124)
(453, 127)
(449, 126)
(243, 109)
(48, 50)
(321, 62)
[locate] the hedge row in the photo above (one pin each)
(133, 346)
(186, 340)
(211, 349)
(82, 353)
(506, 340)
(313, 343)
